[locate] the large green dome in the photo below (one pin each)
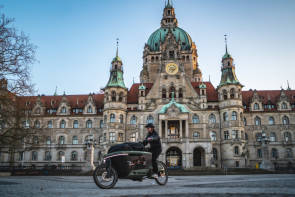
(161, 33)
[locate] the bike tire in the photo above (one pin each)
(162, 168)
(99, 172)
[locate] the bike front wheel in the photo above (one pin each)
(103, 178)
(162, 173)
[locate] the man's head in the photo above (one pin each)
(150, 127)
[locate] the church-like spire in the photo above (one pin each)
(169, 19)
(117, 58)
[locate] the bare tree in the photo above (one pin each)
(17, 54)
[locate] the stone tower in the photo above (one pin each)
(231, 115)
(115, 104)
(167, 44)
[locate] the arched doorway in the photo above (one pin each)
(199, 157)
(174, 158)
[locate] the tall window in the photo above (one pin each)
(121, 118)
(257, 121)
(245, 122)
(34, 155)
(272, 137)
(75, 140)
(284, 105)
(232, 93)
(196, 135)
(271, 121)
(180, 93)
(171, 90)
(213, 135)
(48, 140)
(236, 150)
(61, 140)
(112, 118)
(212, 118)
(196, 119)
(76, 124)
(225, 116)
(74, 156)
(285, 120)
(133, 137)
(35, 140)
(287, 137)
(89, 109)
(105, 119)
(120, 137)
(21, 155)
(215, 155)
(256, 106)
(62, 124)
(49, 124)
(258, 137)
(235, 134)
(60, 155)
(259, 153)
(289, 153)
(224, 92)
(89, 124)
(63, 110)
(112, 137)
(37, 124)
(150, 119)
(47, 156)
(163, 93)
(274, 153)
(234, 115)
(133, 120)
(113, 96)
(121, 97)
(226, 135)
(101, 124)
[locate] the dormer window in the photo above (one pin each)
(63, 110)
(89, 109)
(284, 106)
(256, 106)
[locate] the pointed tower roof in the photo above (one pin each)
(168, 5)
(226, 55)
(117, 58)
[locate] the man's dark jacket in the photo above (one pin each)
(154, 141)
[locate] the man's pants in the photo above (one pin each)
(155, 155)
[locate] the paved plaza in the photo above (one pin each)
(231, 185)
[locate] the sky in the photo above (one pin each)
(76, 39)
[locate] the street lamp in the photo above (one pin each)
(264, 141)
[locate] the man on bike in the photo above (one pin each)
(153, 139)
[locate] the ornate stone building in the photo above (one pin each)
(200, 125)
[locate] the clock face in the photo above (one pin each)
(171, 68)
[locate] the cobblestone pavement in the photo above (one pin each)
(180, 186)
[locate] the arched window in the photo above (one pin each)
(232, 93)
(47, 156)
(112, 118)
(152, 59)
(271, 121)
(256, 106)
(196, 135)
(60, 155)
(121, 97)
(180, 93)
(171, 90)
(213, 135)
(236, 150)
(75, 140)
(89, 124)
(37, 124)
(287, 137)
(48, 140)
(284, 105)
(49, 124)
(62, 124)
(257, 121)
(38, 110)
(215, 154)
(285, 120)
(224, 92)
(101, 124)
(74, 156)
(225, 116)
(113, 96)
(150, 119)
(272, 137)
(274, 153)
(76, 124)
(196, 119)
(212, 118)
(61, 140)
(133, 120)
(289, 153)
(234, 115)
(163, 93)
(121, 119)
(34, 155)
(35, 140)
(89, 109)
(63, 110)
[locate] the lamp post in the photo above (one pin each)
(264, 141)
(90, 144)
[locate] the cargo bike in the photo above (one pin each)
(127, 161)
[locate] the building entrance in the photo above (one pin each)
(199, 157)
(174, 158)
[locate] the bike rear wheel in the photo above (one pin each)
(103, 178)
(162, 173)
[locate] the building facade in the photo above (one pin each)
(200, 125)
